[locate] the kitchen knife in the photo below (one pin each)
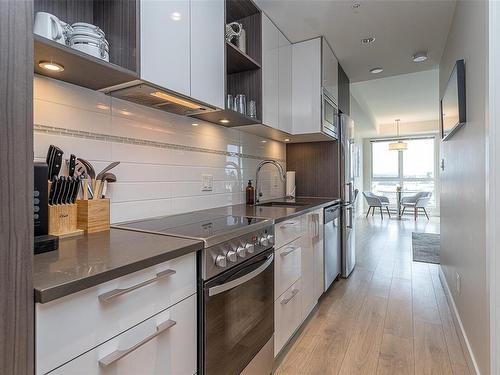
(50, 160)
(57, 186)
(76, 189)
(62, 190)
(67, 190)
(52, 188)
(56, 162)
(72, 165)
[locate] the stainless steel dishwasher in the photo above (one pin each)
(332, 243)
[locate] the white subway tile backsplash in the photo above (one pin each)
(163, 156)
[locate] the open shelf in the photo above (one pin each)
(238, 9)
(234, 118)
(238, 61)
(119, 21)
(79, 68)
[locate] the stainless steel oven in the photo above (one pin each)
(238, 318)
(329, 117)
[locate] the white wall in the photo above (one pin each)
(463, 181)
(162, 155)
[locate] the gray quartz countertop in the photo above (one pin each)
(278, 214)
(85, 261)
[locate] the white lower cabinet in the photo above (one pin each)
(287, 315)
(298, 276)
(72, 325)
(309, 299)
(163, 344)
(287, 266)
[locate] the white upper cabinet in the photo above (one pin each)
(330, 72)
(285, 84)
(165, 40)
(270, 68)
(182, 47)
(306, 86)
(207, 51)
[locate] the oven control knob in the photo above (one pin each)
(220, 261)
(270, 238)
(263, 241)
(241, 251)
(249, 248)
(231, 256)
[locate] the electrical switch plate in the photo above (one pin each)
(207, 182)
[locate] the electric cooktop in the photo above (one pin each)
(210, 228)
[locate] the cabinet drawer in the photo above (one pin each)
(69, 326)
(163, 344)
(289, 230)
(287, 315)
(287, 266)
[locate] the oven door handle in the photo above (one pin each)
(234, 283)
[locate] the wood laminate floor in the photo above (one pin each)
(390, 317)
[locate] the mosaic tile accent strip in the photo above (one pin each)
(136, 141)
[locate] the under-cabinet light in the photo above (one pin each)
(52, 66)
(175, 100)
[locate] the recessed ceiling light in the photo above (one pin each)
(356, 5)
(195, 124)
(52, 66)
(224, 121)
(419, 57)
(176, 16)
(287, 139)
(376, 70)
(264, 141)
(368, 40)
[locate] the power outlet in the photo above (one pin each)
(459, 283)
(207, 182)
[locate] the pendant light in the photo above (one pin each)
(399, 145)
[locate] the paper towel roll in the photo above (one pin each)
(290, 184)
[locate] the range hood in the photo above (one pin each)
(150, 95)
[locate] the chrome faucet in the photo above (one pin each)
(281, 173)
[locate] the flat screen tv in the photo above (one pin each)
(453, 102)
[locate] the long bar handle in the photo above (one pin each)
(286, 300)
(118, 354)
(290, 250)
(106, 297)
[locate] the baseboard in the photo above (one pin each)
(469, 355)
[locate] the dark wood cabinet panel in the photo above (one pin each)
(344, 92)
(316, 166)
(16, 187)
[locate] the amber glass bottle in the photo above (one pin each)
(250, 193)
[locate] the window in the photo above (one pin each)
(412, 169)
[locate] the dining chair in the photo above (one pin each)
(417, 202)
(376, 201)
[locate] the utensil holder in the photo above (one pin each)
(93, 215)
(63, 220)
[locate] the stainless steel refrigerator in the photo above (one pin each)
(348, 195)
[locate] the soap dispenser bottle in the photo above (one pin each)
(250, 190)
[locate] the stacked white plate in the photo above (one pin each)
(89, 39)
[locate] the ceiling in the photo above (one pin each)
(413, 98)
(400, 27)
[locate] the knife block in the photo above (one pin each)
(93, 215)
(63, 220)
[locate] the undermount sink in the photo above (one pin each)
(280, 204)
